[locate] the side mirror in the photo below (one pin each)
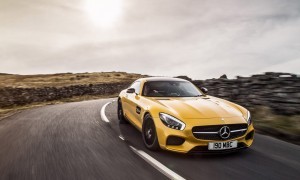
(203, 89)
(130, 90)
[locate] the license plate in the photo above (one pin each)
(222, 145)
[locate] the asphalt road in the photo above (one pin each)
(70, 141)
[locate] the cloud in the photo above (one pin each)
(201, 39)
(289, 66)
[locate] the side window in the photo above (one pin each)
(136, 85)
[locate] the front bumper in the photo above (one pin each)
(193, 145)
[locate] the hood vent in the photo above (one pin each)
(205, 98)
(162, 99)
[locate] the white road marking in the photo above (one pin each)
(121, 137)
(153, 162)
(156, 164)
(102, 112)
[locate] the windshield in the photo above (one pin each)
(170, 89)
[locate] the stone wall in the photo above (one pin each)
(22, 96)
(279, 91)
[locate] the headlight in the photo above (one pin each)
(248, 118)
(171, 121)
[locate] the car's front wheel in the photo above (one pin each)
(121, 116)
(149, 134)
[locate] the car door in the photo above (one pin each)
(133, 101)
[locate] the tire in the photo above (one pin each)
(149, 134)
(121, 116)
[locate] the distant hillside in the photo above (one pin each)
(64, 79)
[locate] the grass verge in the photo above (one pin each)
(282, 127)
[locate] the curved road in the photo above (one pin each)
(70, 141)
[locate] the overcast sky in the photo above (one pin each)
(199, 38)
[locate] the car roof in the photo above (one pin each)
(150, 79)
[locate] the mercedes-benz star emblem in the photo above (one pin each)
(224, 132)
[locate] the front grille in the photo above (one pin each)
(212, 132)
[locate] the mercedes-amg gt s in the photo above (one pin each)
(173, 114)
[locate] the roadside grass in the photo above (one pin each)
(281, 126)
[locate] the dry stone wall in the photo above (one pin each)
(21, 96)
(279, 91)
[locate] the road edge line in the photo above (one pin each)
(149, 159)
(102, 112)
(156, 164)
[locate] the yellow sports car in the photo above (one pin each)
(173, 114)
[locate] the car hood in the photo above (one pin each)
(199, 107)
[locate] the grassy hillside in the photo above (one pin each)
(64, 79)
